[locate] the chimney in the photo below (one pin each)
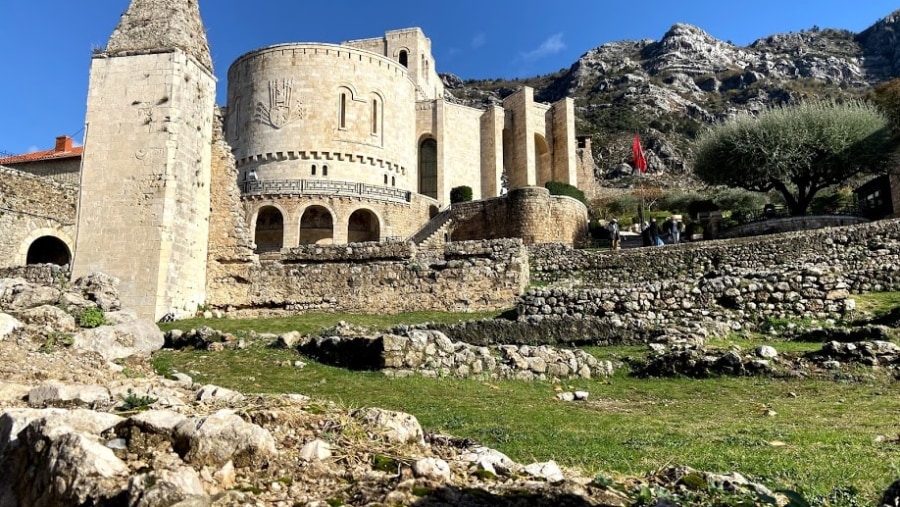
(63, 143)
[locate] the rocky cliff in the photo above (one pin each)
(668, 90)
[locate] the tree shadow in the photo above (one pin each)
(476, 497)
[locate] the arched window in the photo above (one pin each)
(363, 226)
(385, 179)
(428, 180)
(342, 112)
(375, 118)
(269, 234)
(314, 169)
(316, 226)
(48, 250)
(404, 58)
(393, 181)
(324, 170)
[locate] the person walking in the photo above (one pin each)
(655, 239)
(615, 234)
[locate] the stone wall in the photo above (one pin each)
(432, 354)
(868, 256)
(378, 278)
(42, 274)
(529, 213)
(32, 207)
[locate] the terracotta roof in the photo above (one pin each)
(62, 150)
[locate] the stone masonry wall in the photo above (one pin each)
(32, 207)
(868, 256)
(529, 213)
(380, 278)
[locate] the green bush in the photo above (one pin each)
(91, 317)
(460, 194)
(559, 188)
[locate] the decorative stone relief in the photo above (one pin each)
(282, 107)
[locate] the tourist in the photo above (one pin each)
(646, 240)
(676, 229)
(654, 233)
(614, 234)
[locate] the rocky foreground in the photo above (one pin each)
(84, 420)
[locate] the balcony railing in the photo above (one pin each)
(326, 187)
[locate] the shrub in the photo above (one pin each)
(559, 188)
(460, 194)
(91, 317)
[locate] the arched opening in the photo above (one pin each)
(543, 167)
(269, 236)
(363, 226)
(376, 117)
(404, 58)
(428, 168)
(316, 226)
(432, 211)
(48, 250)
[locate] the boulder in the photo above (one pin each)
(393, 426)
(136, 338)
(548, 471)
(101, 289)
(55, 394)
(162, 488)
(210, 393)
(317, 450)
(490, 459)
(50, 316)
(31, 296)
(433, 469)
(8, 324)
(216, 439)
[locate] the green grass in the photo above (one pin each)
(314, 322)
(877, 303)
(826, 437)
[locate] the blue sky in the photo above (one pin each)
(45, 45)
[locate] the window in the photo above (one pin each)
(393, 181)
(375, 116)
(324, 170)
(314, 169)
(342, 112)
(385, 179)
(404, 58)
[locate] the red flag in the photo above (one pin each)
(639, 160)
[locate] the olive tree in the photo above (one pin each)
(795, 150)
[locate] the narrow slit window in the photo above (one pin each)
(342, 112)
(375, 116)
(385, 179)
(324, 170)
(314, 169)
(393, 181)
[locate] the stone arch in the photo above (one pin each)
(268, 228)
(40, 242)
(543, 167)
(316, 225)
(428, 167)
(403, 57)
(363, 225)
(376, 113)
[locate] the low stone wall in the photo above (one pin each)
(788, 224)
(386, 278)
(41, 274)
(738, 298)
(432, 354)
(868, 256)
(530, 213)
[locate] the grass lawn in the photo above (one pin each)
(828, 438)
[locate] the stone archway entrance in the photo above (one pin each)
(363, 226)
(48, 250)
(269, 235)
(316, 226)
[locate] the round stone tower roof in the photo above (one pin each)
(158, 25)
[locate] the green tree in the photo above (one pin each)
(887, 97)
(795, 150)
(461, 193)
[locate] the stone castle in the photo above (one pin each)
(319, 144)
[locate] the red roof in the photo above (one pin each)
(63, 149)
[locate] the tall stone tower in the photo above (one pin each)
(143, 212)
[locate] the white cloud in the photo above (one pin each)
(554, 44)
(479, 40)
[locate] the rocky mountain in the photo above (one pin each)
(668, 90)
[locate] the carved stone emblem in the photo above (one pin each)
(282, 107)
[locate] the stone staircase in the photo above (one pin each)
(432, 233)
